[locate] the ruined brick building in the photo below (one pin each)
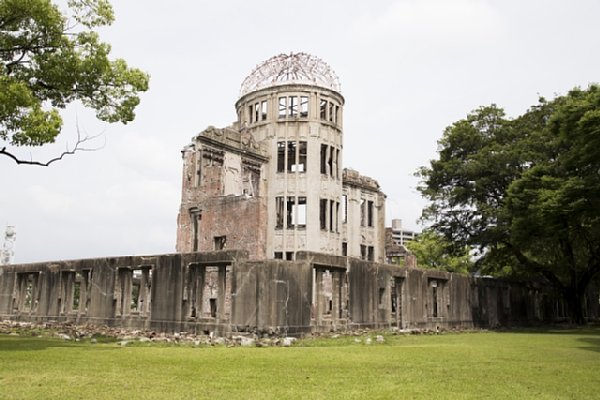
(274, 236)
(273, 182)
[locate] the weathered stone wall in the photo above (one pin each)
(225, 292)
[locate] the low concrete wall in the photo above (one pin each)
(225, 292)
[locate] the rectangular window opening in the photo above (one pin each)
(323, 109)
(213, 307)
(302, 155)
(344, 209)
(324, 158)
(263, 110)
(370, 213)
(291, 157)
(289, 255)
(278, 255)
(220, 242)
(323, 213)
(370, 253)
(280, 156)
(344, 248)
(279, 210)
(282, 107)
(331, 215)
(289, 212)
(303, 106)
(293, 106)
(363, 252)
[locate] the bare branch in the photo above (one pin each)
(77, 148)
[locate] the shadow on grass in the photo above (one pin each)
(590, 334)
(593, 343)
(28, 343)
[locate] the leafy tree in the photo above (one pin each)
(435, 251)
(524, 192)
(48, 60)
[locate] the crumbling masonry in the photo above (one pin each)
(274, 236)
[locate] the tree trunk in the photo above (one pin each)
(575, 300)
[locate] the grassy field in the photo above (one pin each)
(561, 364)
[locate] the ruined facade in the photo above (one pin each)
(274, 237)
(273, 183)
(225, 292)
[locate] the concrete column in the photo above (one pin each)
(221, 294)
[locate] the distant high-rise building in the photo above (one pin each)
(395, 242)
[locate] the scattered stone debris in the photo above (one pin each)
(124, 337)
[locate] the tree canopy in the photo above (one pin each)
(49, 59)
(524, 192)
(436, 252)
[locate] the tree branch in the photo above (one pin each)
(77, 148)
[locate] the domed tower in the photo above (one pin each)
(292, 104)
(273, 183)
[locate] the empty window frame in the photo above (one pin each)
(370, 214)
(282, 107)
(280, 156)
(344, 248)
(279, 212)
(263, 110)
(323, 109)
(292, 106)
(323, 213)
(331, 215)
(331, 112)
(257, 112)
(303, 106)
(289, 208)
(220, 242)
(278, 255)
(363, 252)
(324, 158)
(302, 156)
(289, 255)
(291, 156)
(370, 253)
(250, 113)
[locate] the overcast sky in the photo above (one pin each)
(408, 69)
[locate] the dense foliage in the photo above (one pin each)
(433, 250)
(524, 192)
(49, 59)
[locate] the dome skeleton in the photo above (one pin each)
(300, 68)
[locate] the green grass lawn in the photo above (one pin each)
(561, 364)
